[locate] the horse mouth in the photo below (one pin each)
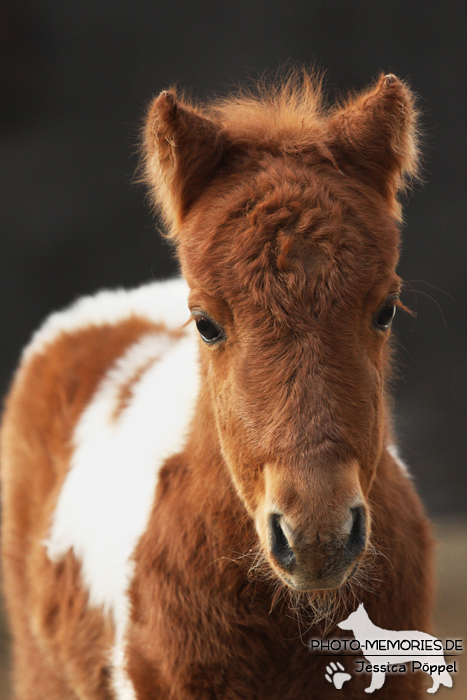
(303, 583)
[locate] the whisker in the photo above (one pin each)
(441, 291)
(418, 291)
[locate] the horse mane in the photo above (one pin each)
(282, 111)
(293, 107)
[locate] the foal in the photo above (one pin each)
(171, 490)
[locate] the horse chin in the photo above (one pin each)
(314, 603)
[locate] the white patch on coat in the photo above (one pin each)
(108, 493)
(159, 302)
(394, 452)
(122, 685)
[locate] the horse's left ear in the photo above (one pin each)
(374, 137)
(182, 149)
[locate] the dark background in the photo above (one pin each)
(75, 80)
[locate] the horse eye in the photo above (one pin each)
(384, 316)
(207, 329)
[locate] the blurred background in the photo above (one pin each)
(75, 80)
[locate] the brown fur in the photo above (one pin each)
(60, 646)
(284, 214)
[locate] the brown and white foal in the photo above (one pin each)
(152, 467)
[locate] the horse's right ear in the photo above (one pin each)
(182, 149)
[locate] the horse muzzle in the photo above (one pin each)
(317, 560)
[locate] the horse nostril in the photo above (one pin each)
(280, 548)
(357, 538)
